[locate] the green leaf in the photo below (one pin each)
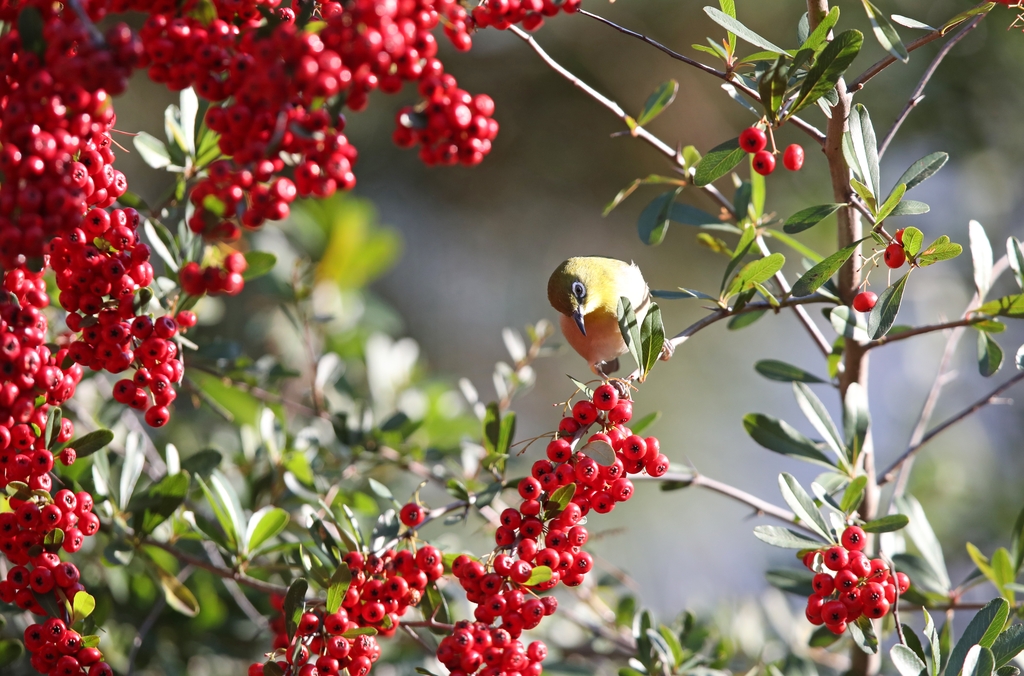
(923, 169)
(1018, 359)
(818, 38)
(83, 605)
(923, 537)
(856, 419)
(778, 436)
(681, 294)
(811, 280)
(538, 575)
(891, 202)
(910, 208)
(830, 65)
(863, 634)
(810, 217)
(756, 272)
(883, 315)
(263, 525)
(990, 355)
(772, 88)
(886, 524)
(743, 247)
(939, 250)
(359, 631)
(981, 257)
(653, 179)
(88, 444)
(340, 580)
(652, 338)
(781, 371)
(913, 239)
(1008, 645)
(11, 649)
(152, 150)
(629, 328)
(294, 604)
(733, 26)
(906, 661)
(30, 30)
(796, 245)
(777, 536)
(652, 225)
(718, 162)
(1017, 542)
(1015, 256)
(744, 320)
(131, 469)
(660, 99)
(1007, 306)
(885, 32)
(818, 416)
(643, 423)
(793, 580)
(860, 188)
(1004, 573)
(978, 662)
(848, 324)
(959, 19)
(434, 606)
(161, 500)
(178, 596)
(202, 463)
(258, 263)
(853, 494)
(864, 147)
(51, 429)
(600, 451)
(562, 496)
(803, 505)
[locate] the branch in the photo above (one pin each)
(724, 313)
(918, 94)
(858, 83)
(973, 408)
(227, 573)
(920, 330)
(803, 125)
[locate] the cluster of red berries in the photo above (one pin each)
(491, 650)
(214, 280)
(895, 256)
(503, 13)
(451, 126)
(848, 584)
(33, 519)
(754, 141)
(58, 650)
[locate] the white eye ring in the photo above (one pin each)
(579, 290)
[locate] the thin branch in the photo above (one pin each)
(920, 330)
(725, 313)
(809, 129)
(241, 600)
(801, 313)
(918, 95)
(973, 408)
(240, 578)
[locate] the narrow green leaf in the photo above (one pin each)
(1015, 256)
(563, 495)
(661, 98)
(778, 370)
(152, 150)
(830, 65)
(865, 147)
(785, 538)
(1008, 645)
(778, 436)
(718, 162)
(340, 581)
(161, 500)
(811, 280)
(803, 505)
(990, 355)
(863, 635)
(853, 494)
(734, 26)
(643, 423)
(883, 315)
(910, 208)
(906, 661)
(294, 604)
(848, 324)
(178, 596)
(856, 419)
(818, 416)
(756, 272)
(886, 524)
(263, 525)
(131, 469)
(891, 202)
(89, 443)
(743, 247)
(981, 258)
(793, 580)
(885, 32)
(652, 225)
(923, 537)
(652, 338)
(979, 661)
(810, 217)
(629, 328)
(923, 169)
(258, 263)
(818, 38)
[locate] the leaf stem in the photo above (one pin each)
(920, 330)
(227, 573)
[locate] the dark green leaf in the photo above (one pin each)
(818, 38)
(719, 161)
(681, 294)
(660, 99)
(339, 587)
(294, 604)
(202, 463)
(1015, 256)
(883, 315)
(772, 87)
(785, 538)
(259, 264)
(652, 338)
(886, 34)
(745, 319)
(990, 355)
(886, 524)
(865, 148)
(741, 31)
(979, 662)
(822, 638)
(923, 169)
(563, 495)
(853, 494)
(162, 499)
(777, 435)
(90, 443)
(30, 30)
(803, 505)
(1017, 542)
(830, 65)
(652, 225)
(816, 413)
(982, 630)
(810, 217)
(1009, 644)
(434, 606)
(11, 649)
(629, 328)
(811, 280)
(653, 179)
(783, 372)
(863, 635)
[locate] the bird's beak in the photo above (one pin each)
(578, 316)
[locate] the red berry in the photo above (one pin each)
(864, 301)
(753, 140)
(833, 612)
(412, 515)
(824, 584)
(902, 582)
(605, 397)
(854, 539)
(584, 412)
(836, 558)
(793, 158)
(895, 256)
(764, 162)
(898, 236)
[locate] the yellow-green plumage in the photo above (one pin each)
(589, 319)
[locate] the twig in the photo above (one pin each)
(725, 313)
(920, 330)
(254, 615)
(949, 422)
(918, 95)
(241, 578)
(803, 125)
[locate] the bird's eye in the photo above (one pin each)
(579, 290)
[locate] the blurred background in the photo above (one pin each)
(477, 246)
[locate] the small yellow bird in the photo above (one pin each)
(586, 291)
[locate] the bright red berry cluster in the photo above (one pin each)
(452, 126)
(477, 646)
(214, 280)
(59, 650)
(848, 584)
(503, 13)
(754, 141)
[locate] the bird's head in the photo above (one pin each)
(581, 285)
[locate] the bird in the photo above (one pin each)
(585, 290)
